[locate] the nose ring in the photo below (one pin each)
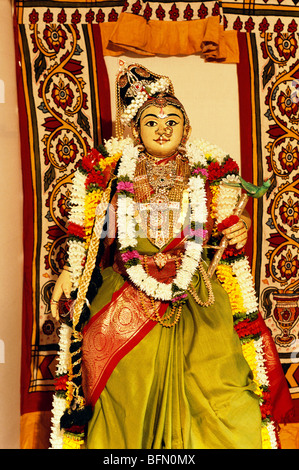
(168, 131)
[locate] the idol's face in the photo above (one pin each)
(161, 130)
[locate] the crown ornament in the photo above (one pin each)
(135, 85)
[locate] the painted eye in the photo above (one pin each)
(171, 123)
(151, 124)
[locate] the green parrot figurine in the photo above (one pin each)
(251, 189)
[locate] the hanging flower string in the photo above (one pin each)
(59, 399)
(236, 278)
(207, 162)
(88, 183)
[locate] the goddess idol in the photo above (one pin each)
(159, 352)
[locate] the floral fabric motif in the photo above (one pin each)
(277, 44)
(61, 62)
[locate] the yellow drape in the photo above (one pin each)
(205, 37)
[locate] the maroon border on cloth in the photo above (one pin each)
(103, 86)
(245, 117)
(283, 409)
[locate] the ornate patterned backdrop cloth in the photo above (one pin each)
(64, 109)
(269, 94)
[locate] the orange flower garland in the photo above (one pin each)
(230, 284)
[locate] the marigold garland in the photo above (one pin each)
(215, 191)
(231, 286)
(249, 353)
(91, 202)
(269, 438)
(235, 277)
(73, 441)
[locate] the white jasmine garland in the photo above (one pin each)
(231, 179)
(272, 435)
(77, 212)
(196, 153)
(261, 371)
(115, 145)
(226, 200)
(128, 161)
(242, 271)
(76, 258)
(63, 354)
(126, 224)
(209, 150)
(56, 436)
(127, 236)
(59, 402)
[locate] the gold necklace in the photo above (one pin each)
(158, 190)
(207, 283)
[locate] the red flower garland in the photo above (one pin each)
(247, 327)
(60, 382)
(92, 159)
(217, 171)
(95, 177)
(75, 229)
(228, 222)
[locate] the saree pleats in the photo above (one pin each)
(185, 387)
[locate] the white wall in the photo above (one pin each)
(10, 239)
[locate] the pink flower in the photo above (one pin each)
(203, 171)
(125, 186)
(179, 297)
(129, 255)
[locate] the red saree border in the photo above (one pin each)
(140, 331)
(115, 296)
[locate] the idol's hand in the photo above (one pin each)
(237, 234)
(63, 285)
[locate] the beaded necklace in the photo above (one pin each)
(158, 192)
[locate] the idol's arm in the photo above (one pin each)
(62, 286)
